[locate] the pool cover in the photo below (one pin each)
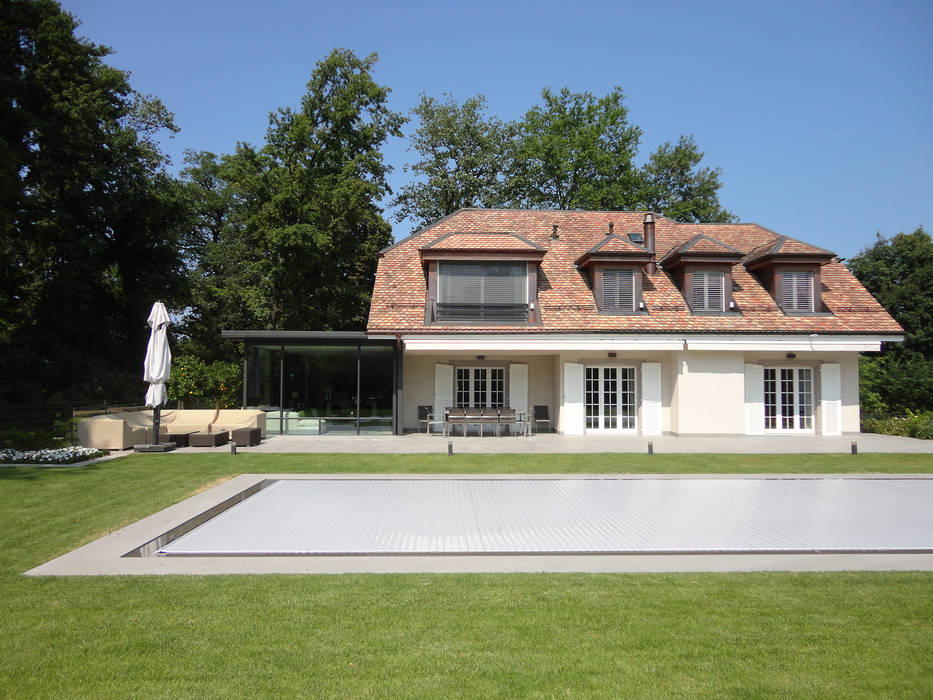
(569, 515)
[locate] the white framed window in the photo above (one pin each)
(609, 399)
(796, 292)
(788, 399)
(709, 293)
(480, 387)
(619, 290)
(482, 291)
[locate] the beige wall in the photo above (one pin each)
(710, 393)
(701, 392)
(418, 380)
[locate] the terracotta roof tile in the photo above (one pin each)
(566, 301)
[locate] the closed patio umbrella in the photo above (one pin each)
(158, 363)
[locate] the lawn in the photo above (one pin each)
(674, 635)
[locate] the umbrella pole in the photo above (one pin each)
(156, 420)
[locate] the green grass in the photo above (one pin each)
(676, 635)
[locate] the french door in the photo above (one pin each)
(609, 399)
(788, 399)
(480, 387)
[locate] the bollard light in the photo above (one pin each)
(650, 448)
(855, 448)
(233, 447)
(450, 447)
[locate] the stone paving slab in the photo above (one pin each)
(419, 443)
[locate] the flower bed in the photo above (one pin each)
(61, 455)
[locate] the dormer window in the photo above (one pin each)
(709, 290)
(702, 269)
(614, 270)
(618, 290)
(481, 278)
(790, 270)
(482, 291)
(796, 291)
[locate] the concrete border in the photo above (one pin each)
(105, 556)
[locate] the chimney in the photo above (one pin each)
(554, 233)
(611, 224)
(652, 266)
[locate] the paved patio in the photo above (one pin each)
(564, 444)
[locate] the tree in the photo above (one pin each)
(899, 273)
(461, 159)
(574, 152)
(298, 226)
(673, 184)
(88, 217)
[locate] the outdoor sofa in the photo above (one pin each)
(120, 431)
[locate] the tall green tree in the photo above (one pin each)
(898, 271)
(674, 184)
(299, 241)
(88, 217)
(461, 159)
(575, 151)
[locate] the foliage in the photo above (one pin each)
(87, 213)
(674, 184)
(913, 424)
(290, 232)
(573, 151)
(461, 151)
(61, 455)
(217, 384)
(899, 273)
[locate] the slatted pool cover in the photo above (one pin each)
(476, 516)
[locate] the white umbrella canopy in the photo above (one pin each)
(157, 366)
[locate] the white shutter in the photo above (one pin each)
(797, 291)
(708, 291)
(443, 389)
(754, 400)
(518, 389)
(571, 410)
(831, 398)
(651, 398)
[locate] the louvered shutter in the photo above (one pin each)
(797, 291)
(619, 289)
(708, 291)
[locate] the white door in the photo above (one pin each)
(609, 399)
(788, 399)
(443, 389)
(831, 398)
(518, 390)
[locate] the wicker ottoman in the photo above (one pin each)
(246, 437)
(208, 439)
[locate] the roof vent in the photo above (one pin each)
(611, 224)
(554, 233)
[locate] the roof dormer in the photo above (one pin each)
(790, 271)
(702, 269)
(614, 270)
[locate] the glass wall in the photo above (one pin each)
(325, 389)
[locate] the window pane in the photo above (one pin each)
(805, 397)
(497, 387)
(770, 399)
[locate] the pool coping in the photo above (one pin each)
(106, 555)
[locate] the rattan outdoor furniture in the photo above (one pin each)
(246, 437)
(208, 439)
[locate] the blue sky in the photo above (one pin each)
(819, 113)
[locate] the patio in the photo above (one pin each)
(419, 443)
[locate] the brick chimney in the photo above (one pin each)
(651, 267)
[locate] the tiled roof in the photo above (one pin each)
(617, 244)
(566, 302)
(482, 241)
(785, 246)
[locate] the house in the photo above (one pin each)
(617, 322)
(627, 322)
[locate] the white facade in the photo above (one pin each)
(646, 385)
